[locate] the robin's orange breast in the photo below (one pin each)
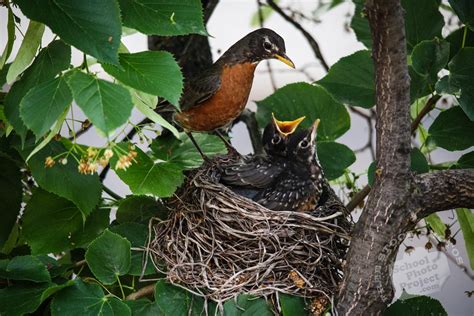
(225, 105)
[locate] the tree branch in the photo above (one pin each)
(444, 190)
(312, 42)
(144, 291)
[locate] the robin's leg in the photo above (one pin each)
(229, 146)
(191, 137)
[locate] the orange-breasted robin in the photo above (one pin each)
(254, 173)
(299, 186)
(217, 96)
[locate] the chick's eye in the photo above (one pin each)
(276, 140)
(304, 144)
(267, 45)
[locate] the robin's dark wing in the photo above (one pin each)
(201, 88)
(289, 193)
(257, 172)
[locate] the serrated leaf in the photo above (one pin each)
(153, 72)
(106, 104)
(135, 208)
(334, 158)
(27, 51)
(423, 21)
(292, 305)
(21, 298)
(11, 192)
(43, 105)
(146, 176)
(465, 11)
(27, 268)
(64, 180)
(162, 17)
(421, 305)
(303, 99)
(429, 57)
(452, 130)
(50, 61)
(419, 164)
(352, 80)
(87, 299)
(183, 153)
(456, 40)
(95, 224)
(461, 75)
(466, 161)
(108, 257)
(143, 307)
(444, 86)
(92, 26)
(48, 222)
(360, 24)
(466, 222)
(246, 305)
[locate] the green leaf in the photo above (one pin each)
(435, 222)
(456, 39)
(10, 38)
(137, 234)
(95, 224)
(292, 305)
(371, 173)
(265, 11)
(429, 57)
(466, 161)
(21, 298)
(352, 80)
(147, 110)
(3, 78)
(247, 305)
(303, 99)
(461, 75)
(144, 307)
(65, 180)
(92, 26)
(148, 177)
(420, 305)
(87, 299)
(418, 161)
(27, 51)
(465, 11)
(49, 62)
(423, 21)
(420, 85)
(452, 130)
(360, 24)
(444, 86)
(466, 221)
(26, 268)
(44, 104)
(183, 153)
(136, 209)
(106, 104)
(11, 192)
(162, 17)
(156, 73)
(334, 158)
(48, 222)
(108, 257)
(172, 300)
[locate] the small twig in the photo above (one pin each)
(249, 119)
(80, 263)
(430, 105)
(112, 193)
(358, 198)
(144, 291)
(312, 42)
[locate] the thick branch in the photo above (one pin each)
(312, 42)
(444, 190)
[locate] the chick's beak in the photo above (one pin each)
(287, 127)
(285, 59)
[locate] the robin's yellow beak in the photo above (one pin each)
(285, 59)
(287, 127)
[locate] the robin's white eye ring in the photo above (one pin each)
(267, 45)
(304, 144)
(276, 139)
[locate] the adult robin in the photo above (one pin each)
(300, 185)
(254, 173)
(217, 96)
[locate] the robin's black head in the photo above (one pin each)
(276, 133)
(259, 45)
(302, 144)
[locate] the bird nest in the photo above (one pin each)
(217, 244)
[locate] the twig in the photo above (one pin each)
(144, 291)
(248, 118)
(112, 193)
(430, 105)
(312, 42)
(358, 198)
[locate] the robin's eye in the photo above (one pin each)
(304, 144)
(276, 139)
(267, 45)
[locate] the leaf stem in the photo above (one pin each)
(464, 36)
(120, 285)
